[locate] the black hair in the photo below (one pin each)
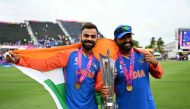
(89, 25)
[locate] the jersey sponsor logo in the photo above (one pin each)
(75, 61)
(121, 70)
(95, 66)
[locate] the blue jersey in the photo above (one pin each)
(83, 97)
(140, 97)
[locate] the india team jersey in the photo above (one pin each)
(140, 97)
(82, 98)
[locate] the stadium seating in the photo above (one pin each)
(74, 28)
(47, 34)
(46, 29)
(13, 33)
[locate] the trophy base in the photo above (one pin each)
(109, 106)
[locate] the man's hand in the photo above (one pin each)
(150, 58)
(105, 92)
(11, 57)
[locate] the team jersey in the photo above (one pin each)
(140, 97)
(75, 98)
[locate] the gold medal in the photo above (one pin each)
(129, 88)
(77, 85)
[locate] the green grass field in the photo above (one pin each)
(18, 91)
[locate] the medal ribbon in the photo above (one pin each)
(80, 76)
(128, 74)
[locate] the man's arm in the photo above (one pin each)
(156, 71)
(99, 81)
(57, 61)
(155, 68)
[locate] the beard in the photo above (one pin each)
(125, 46)
(86, 46)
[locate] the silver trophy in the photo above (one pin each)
(108, 70)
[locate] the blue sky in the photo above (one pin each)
(148, 18)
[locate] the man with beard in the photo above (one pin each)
(81, 69)
(133, 65)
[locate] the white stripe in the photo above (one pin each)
(55, 75)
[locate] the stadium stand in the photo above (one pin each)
(47, 33)
(41, 33)
(73, 28)
(13, 33)
(46, 29)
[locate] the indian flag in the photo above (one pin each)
(53, 81)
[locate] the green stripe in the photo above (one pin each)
(98, 97)
(59, 92)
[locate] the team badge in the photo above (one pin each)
(141, 61)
